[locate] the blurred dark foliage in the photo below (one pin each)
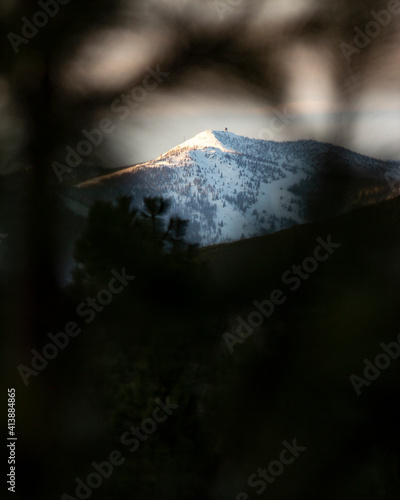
(163, 335)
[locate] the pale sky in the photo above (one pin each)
(210, 98)
(371, 127)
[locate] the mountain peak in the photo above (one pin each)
(210, 139)
(207, 139)
(231, 186)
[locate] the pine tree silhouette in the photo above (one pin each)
(156, 207)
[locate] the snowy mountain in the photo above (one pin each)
(231, 187)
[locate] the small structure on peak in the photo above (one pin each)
(226, 129)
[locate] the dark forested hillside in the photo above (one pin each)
(243, 380)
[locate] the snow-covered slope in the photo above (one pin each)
(232, 187)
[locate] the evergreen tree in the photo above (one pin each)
(155, 207)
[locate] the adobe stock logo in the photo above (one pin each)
(372, 29)
(39, 20)
(225, 7)
(122, 107)
(277, 124)
(136, 436)
(373, 370)
(294, 277)
(275, 468)
(392, 177)
(60, 340)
